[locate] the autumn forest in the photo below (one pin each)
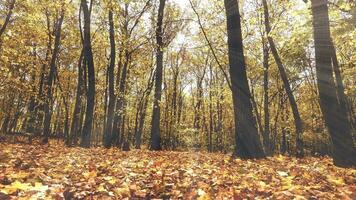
(177, 99)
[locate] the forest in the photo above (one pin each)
(177, 99)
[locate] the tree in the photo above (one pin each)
(112, 97)
(266, 132)
(335, 116)
(51, 76)
(297, 120)
(88, 56)
(248, 144)
(156, 115)
(11, 5)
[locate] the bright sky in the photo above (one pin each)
(182, 3)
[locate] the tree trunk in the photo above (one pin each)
(248, 144)
(112, 97)
(335, 117)
(284, 77)
(50, 79)
(75, 126)
(142, 110)
(120, 104)
(156, 115)
(266, 133)
(7, 19)
(88, 56)
(257, 113)
(340, 89)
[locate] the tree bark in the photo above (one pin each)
(112, 97)
(266, 133)
(248, 144)
(156, 115)
(335, 117)
(88, 56)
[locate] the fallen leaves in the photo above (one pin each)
(57, 172)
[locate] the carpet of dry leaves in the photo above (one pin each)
(58, 172)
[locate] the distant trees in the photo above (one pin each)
(331, 99)
(248, 144)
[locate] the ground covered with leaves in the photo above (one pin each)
(58, 172)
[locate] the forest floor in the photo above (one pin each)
(58, 172)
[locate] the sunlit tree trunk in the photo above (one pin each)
(248, 144)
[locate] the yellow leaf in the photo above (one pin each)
(336, 181)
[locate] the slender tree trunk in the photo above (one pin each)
(7, 19)
(88, 56)
(5, 123)
(335, 117)
(297, 120)
(156, 115)
(115, 127)
(141, 117)
(248, 144)
(211, 125)
(105, 104)
(266, 133)
(112, 97)
(120, 104)
(257, 113)
(74, 129)
(50, 79)
(340, 89)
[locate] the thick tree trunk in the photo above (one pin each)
(156, 115)
(112, 97)
(335, 117)
(50, 79)
(297, 120)
(248, 144)
(88, 55)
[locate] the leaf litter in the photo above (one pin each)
(59, 172)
